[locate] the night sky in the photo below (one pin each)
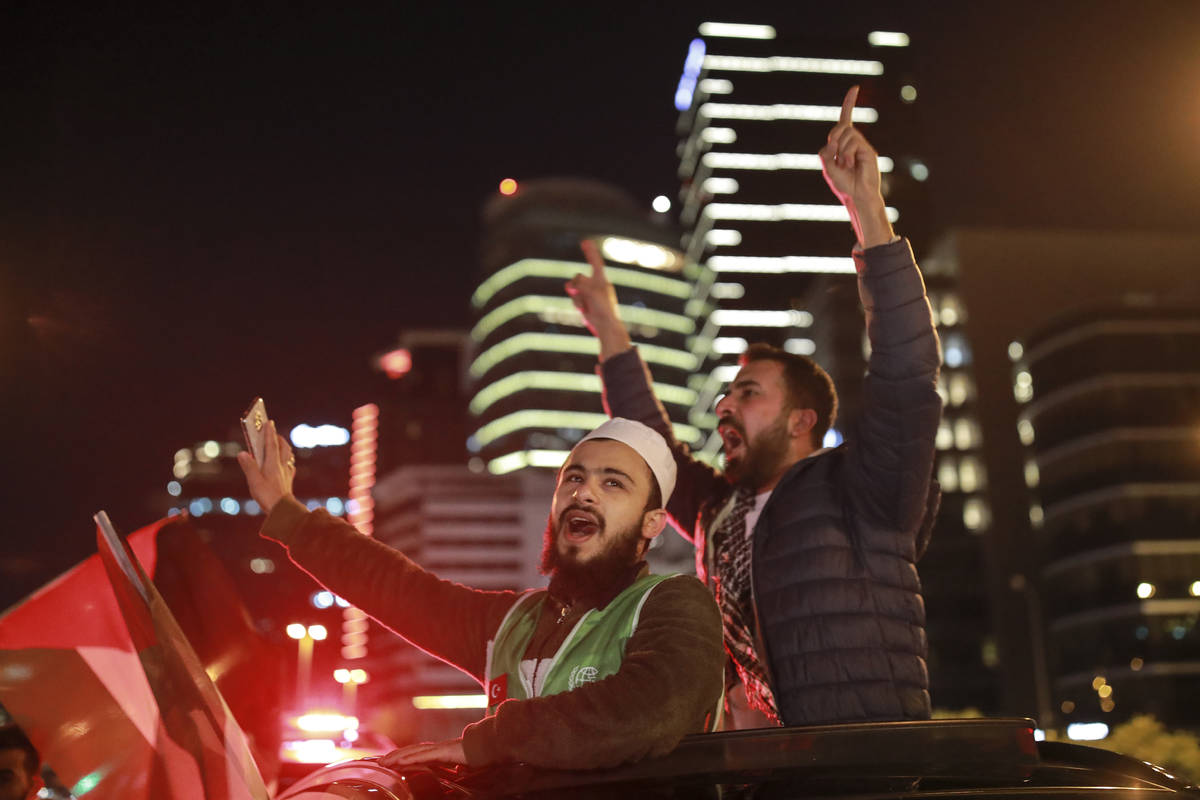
(200, 206)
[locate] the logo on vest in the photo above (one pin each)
(581, 675)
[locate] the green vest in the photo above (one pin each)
(593, 650)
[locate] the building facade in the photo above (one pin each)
(1111, 428)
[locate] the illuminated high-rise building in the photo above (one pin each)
(535, 391)
(756, 104)
(1002, 289)
(481, 530)
(1111, 428)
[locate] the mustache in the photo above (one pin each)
(580, 507)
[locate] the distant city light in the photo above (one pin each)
(326, 722)
(777, 161)
(317, 633)
(1194, 589)
(761, 318)
(174, 488)
(396, 363)
(825, 66)
(335, 506)
(718, 135)
(661, 204)
(1145, 590)
(730, 30)
(296, 631)
(210, 449)
(252, 508)
(800, 346)
(262, 566)
(775, 265)
(729, 344)
(789, 111)
(425, 702)
(833, 438)
(643, 254)
(817, 212)
(691, 72)
(728, 291)
(307, 436)
(716, 86)
(341, 675)
(919, 171)
(720, 185)
(508, 187)
(230, 506)
(1087, 731)
(723, 237)
(322, 599)
(887, 39)
(908, 93)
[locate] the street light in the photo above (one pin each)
(350, 679)
(305, 636)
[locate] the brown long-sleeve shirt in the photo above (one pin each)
(669, 682)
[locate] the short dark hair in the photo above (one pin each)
(807, 385)
(13, 738)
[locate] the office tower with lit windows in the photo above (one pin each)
(755, 106)
(1111, 427)
(1003, 288)
(467, 526)
(209, 486)
(535, 390)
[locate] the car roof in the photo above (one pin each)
(993, 757)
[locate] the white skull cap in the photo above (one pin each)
(647, 443)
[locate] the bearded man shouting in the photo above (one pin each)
(811, 551)
(610, 664)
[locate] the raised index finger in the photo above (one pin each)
(848, 106)
(592, 253)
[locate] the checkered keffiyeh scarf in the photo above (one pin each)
(732, 557)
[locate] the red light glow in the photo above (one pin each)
(396, 363)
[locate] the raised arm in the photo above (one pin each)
(851, 168)
(596, 300)
(893, 448)
(442, 618)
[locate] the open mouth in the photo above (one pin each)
(732, 439)
(580, 525)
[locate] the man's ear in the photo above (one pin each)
(653, 523)
(801, 422)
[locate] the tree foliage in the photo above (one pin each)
(1145, 738)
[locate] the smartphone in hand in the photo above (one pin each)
(254, 428)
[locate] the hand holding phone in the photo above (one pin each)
(254, 428)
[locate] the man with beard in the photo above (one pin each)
(609, 664)
(812, 551)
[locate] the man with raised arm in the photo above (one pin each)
(609, 664)
(811, 551)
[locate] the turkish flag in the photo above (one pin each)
(96, 672)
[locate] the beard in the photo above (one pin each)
(599, 578)
(765, 456)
